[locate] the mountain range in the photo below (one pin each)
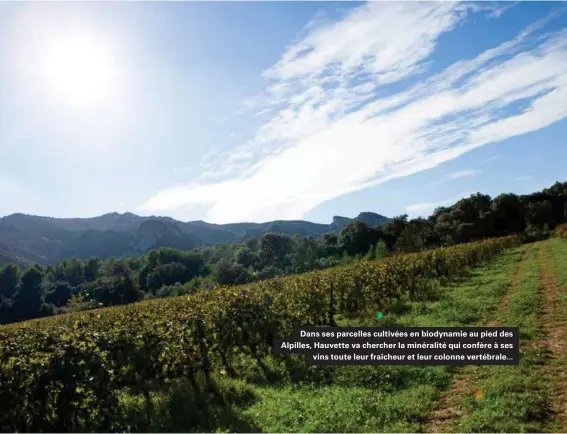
(27, 239)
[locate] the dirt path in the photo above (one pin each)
(555, 325)
(449, 411)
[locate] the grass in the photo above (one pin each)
(557, 249)
(518, 398)
(287, 395)
(386, 398)
(513, 397)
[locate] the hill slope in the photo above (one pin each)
(28, 238)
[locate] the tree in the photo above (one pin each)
(246, 257)
(92, 267)
(356, 238)
(158, 265)
(508, 214)
(28, 298)
(167, 274)
(227, 272)
(59, 294)
(395, 226)
(416, 236)
(117, 287)
(71, 271)
(9, 278)
(252, 243)
(275, 250)
(539, 213)
(306, 252)
(468, 219)
(381, 250)
(6, 312)
(331, 239)
(557, 189)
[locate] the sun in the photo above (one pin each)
(78, 70)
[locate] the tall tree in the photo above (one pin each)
(9, 278)
(356, 238)
(28, 298)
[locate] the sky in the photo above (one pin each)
(229, 112)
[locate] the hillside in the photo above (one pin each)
(46, 240)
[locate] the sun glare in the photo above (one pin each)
(78, 70)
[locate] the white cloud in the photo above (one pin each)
(524, 178)
(338, 127)
(463, 173)
(457, 174)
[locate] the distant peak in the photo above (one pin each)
(371, 218)
(369, 214)
(340, 221)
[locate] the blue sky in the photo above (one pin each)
(260, 111)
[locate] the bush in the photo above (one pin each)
(561, 231)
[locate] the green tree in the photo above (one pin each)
(28, 298)
(539, 213)
(59, 294)
(417, 235)
(92, 267)
(275, 250)
(227, 272)
(9, 278)
(508, 214)
(396, 225)
(167, 274)
(356, 238)
(381, 250)
(246, 257)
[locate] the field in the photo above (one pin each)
(203, 363)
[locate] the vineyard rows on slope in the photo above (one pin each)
(64, 373)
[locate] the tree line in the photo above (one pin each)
(74, 284)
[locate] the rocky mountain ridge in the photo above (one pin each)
(27, 238)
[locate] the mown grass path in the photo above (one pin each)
(464, 383)
(513, 398)
(531, 397)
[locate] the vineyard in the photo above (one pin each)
(65, 373)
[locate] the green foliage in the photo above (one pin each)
(9, 279)
(416, 236)
(27, 300)
(356, 238)
(78, 303)
(59, 293)
(381, 250)
(227, 272)
(396, 226)
(275, 250)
